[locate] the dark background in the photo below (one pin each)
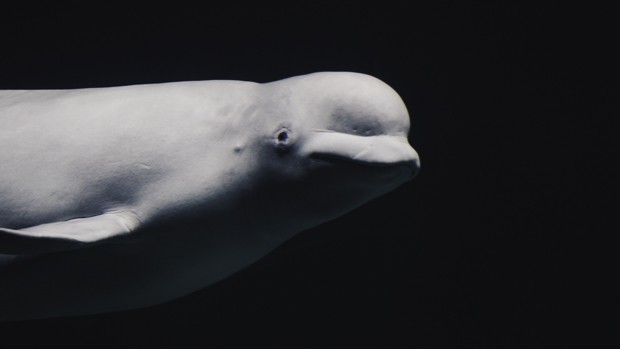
(514, 114)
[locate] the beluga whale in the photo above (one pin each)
(117, 198)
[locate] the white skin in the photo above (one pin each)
(203, 177)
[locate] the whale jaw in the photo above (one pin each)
(385, 153)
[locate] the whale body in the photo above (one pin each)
(124, 197)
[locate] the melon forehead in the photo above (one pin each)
(342, 100)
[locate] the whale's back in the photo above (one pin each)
(75, 153)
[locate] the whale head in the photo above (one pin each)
(337, 140)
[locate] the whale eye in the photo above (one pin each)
(282, 136)
(282, 140)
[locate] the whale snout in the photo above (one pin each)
(382, 151)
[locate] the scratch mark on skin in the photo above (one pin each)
(143, 166)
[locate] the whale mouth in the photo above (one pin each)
(407, 169)
(382, 154)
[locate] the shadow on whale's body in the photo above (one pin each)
(124, 197)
